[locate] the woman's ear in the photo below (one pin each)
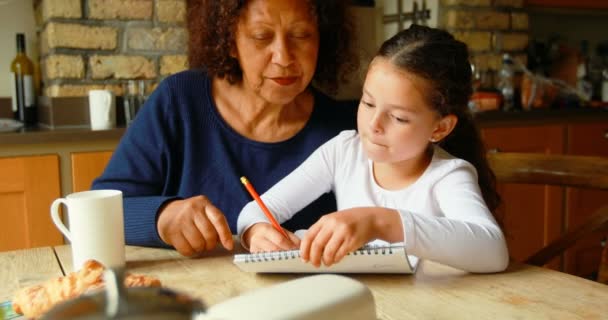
(444, 127)
(232, 52)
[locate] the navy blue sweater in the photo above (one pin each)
(179, 146)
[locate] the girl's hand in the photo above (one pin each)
(339, 233)
(262, 237)
(193, 225)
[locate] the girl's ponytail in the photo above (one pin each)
(465, 142)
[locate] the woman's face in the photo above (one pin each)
(277, 43)
(394, 120)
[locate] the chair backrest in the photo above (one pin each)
(562, 170)
(558, 170)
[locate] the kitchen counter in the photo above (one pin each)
(38, 135)
(484, 120)
(490, 119)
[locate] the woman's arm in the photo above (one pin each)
(146, 167)
(136, 168)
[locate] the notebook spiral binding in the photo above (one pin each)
(293, 254)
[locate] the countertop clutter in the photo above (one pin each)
(60, 120)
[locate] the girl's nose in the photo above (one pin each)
(375, 123)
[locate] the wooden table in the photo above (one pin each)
(434, 292)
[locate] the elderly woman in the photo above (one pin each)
(246, 108)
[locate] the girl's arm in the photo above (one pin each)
(294, 192)
(467, 236)
(344, 231)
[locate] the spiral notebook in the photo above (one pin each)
(388, 258)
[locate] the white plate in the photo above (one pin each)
(7, 125)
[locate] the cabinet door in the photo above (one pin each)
(28, 186)
(86, 166)
(583, 258)
(530, 214)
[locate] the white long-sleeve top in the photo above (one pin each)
(444, 216)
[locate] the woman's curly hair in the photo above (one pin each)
(212, 26)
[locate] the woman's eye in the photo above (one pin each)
(261, 36)
(301, 35)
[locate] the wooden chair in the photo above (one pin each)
(559, 170)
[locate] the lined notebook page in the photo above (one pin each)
(389, 258)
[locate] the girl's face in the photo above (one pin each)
(394, 121)
(277, 43)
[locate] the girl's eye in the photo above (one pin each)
(400, 120)
(367, 104)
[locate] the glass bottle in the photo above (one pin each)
(605, 85)
(583, 81)
(22, 82)
(505, 83)
(134, 98)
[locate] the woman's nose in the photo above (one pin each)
(281, 52)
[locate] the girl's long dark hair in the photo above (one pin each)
(443, 61)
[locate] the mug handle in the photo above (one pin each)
(57, 220)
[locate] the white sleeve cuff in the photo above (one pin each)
(250, 215)
(409, 230)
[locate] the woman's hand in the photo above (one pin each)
(193, 225)
(339, 233)
(262, 237)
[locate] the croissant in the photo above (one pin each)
(35, 300)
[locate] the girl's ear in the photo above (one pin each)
(444, 127)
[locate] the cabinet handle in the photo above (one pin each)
(496, 150)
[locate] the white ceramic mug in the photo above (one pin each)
(102, 109)
(96, 226)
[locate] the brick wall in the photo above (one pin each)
(92, 44)
(489, 27)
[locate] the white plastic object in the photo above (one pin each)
(318, 297)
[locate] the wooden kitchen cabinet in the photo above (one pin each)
(583, 258)
(86, 166)
(28, 186)
(557, 209)
(531, 214)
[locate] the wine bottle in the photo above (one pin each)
(22, 80)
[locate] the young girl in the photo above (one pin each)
(415, 172)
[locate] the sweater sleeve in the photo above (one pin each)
(139, 168)
(466, 236)
(302, 186)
